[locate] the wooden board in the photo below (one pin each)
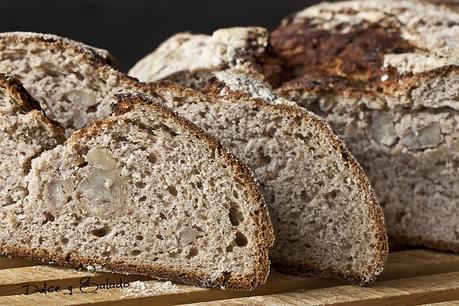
(412, 277)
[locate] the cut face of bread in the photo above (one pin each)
(24, 133)
(384, 74)
(325, 215)
(402, 121)
(144, 191)
(72, 82)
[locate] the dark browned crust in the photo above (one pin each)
(212, 93)
(24, 100)
(27, 104)
(265, 235)
(357, 55)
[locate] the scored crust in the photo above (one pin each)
(26, 103)
(265, 235)
(213, 94)
(14, 88)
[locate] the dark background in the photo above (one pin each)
(132, 28)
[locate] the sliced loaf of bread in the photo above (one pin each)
(384, 74)
(73, 82)
(144, 191)
(324, 212)
(392, 93)
(25, 133)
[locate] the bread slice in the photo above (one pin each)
(384, 74)
(73, 82)
(397, 108)
(144, 191)
(25, 132)
(326, 218)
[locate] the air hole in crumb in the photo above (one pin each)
(241, 239)
(229, 248)
(101, 232)
(305, 196)
(264, 159)
(331, 195)
(235, 216)
(142, 199)
(226, 276)
(172, 190)
(136, 252)
(65, 240)
(235, 194)
(199, 185)
(152, 158)
(159, 236)
(192, 253)
(140, 184)
(162, 216)
(48, 218)
(139, 237)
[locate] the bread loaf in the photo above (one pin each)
(384, 75)
(73, 82)
(25, 132)
(144, 191)
(326, 218)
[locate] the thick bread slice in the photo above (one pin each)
(385, 75)
(392, 95)
(326, 218)
(73, 82)
(144, 191)
(25, 132)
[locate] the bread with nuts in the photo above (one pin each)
(72, 81)
(25, 132)
(144, 191)
(325, 215)
(384, 75)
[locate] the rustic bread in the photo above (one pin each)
(238, 48)
(391, 93)
(144, 191)
(385, 75)
(325, 215)
(25, 132)
(73, 82)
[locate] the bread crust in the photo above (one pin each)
(27, 104)
(265, 234)
(213, 95)
(100, 59)
(92, 54)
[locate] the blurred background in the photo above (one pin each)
(130, 29)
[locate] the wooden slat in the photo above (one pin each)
(7, 263)
(12, 281)
(450, 303)
(408, 291)
(400, 265)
